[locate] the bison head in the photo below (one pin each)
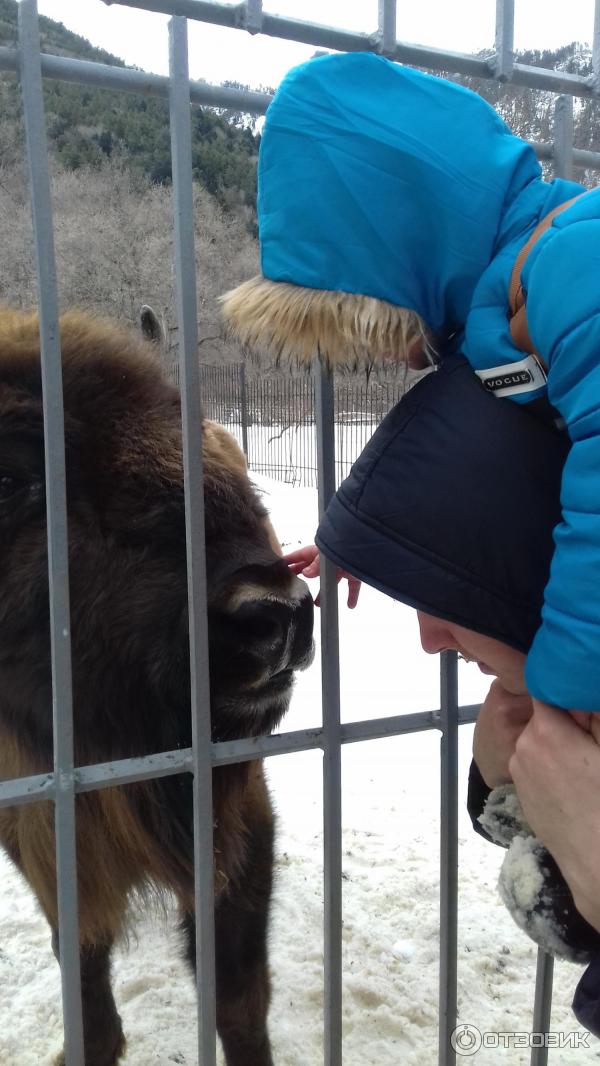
(127, 557)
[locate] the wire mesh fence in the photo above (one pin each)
(273, 418)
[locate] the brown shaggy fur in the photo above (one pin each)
(128, 591)
(226, 450)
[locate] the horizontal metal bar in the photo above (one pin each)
(556, 81)
(21, 790)
(126, 771)
(123, 79)
(582, 157)
(322, 36)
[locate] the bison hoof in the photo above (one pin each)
(103, 1058)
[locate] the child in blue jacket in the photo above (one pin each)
(392, 208)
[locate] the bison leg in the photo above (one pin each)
(103, 1038)
(243, 987)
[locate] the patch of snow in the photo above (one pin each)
(502, 816)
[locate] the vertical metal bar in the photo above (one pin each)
(191, 413)
(449, 853)
(58, 549)
(596, 47)
(386, 31)
(563, 137)
(504, 58)
(244, 408)
(332, 762)
(252, 20)
(542, 1006)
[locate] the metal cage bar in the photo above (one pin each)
(253, 16)
(563, 137)
(58, 549)
(596, 48)
(332, 759)
(124, 79)
(191, 416)
(448, 855)
(505, 34)
(387, 26)
(542, 1007)
(125, 771)
(322, 36)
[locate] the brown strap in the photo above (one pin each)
(519, 330)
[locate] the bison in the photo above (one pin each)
(131, 662)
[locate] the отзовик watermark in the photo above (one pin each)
(468, 1040)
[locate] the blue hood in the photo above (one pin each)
(380, 180)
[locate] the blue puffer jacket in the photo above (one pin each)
(380, 180)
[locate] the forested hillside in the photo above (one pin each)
(89, 125)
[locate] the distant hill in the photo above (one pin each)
(89, 125)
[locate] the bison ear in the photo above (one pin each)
(150, 325)
(291, 323)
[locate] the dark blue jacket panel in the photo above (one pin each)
(452, 479)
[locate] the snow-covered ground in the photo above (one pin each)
(391, 889)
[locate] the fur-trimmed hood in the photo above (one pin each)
(384, 194)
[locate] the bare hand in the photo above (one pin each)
(306, 562)
(556, 770)
(501, 720)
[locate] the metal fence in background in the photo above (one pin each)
(66, 780)
(273, 417)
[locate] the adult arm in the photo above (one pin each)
(556, 771)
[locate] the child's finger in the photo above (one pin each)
(301, 555)
(353, 592)
(296, 568)
(312, 570)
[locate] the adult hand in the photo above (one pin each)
(306, 562)
(501, 720)
(556, 771)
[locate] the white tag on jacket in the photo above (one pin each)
(512, 379)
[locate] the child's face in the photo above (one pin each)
(492, 656)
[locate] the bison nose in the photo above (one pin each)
(261, 627)
(277, 628)
(301, 650)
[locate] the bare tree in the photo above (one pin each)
(113, 232)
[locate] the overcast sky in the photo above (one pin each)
(218, 54)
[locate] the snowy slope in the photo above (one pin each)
(391, 885)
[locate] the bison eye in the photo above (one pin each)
(14, 490)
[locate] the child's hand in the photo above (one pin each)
(306, 562)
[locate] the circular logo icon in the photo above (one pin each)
(465, 1040)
